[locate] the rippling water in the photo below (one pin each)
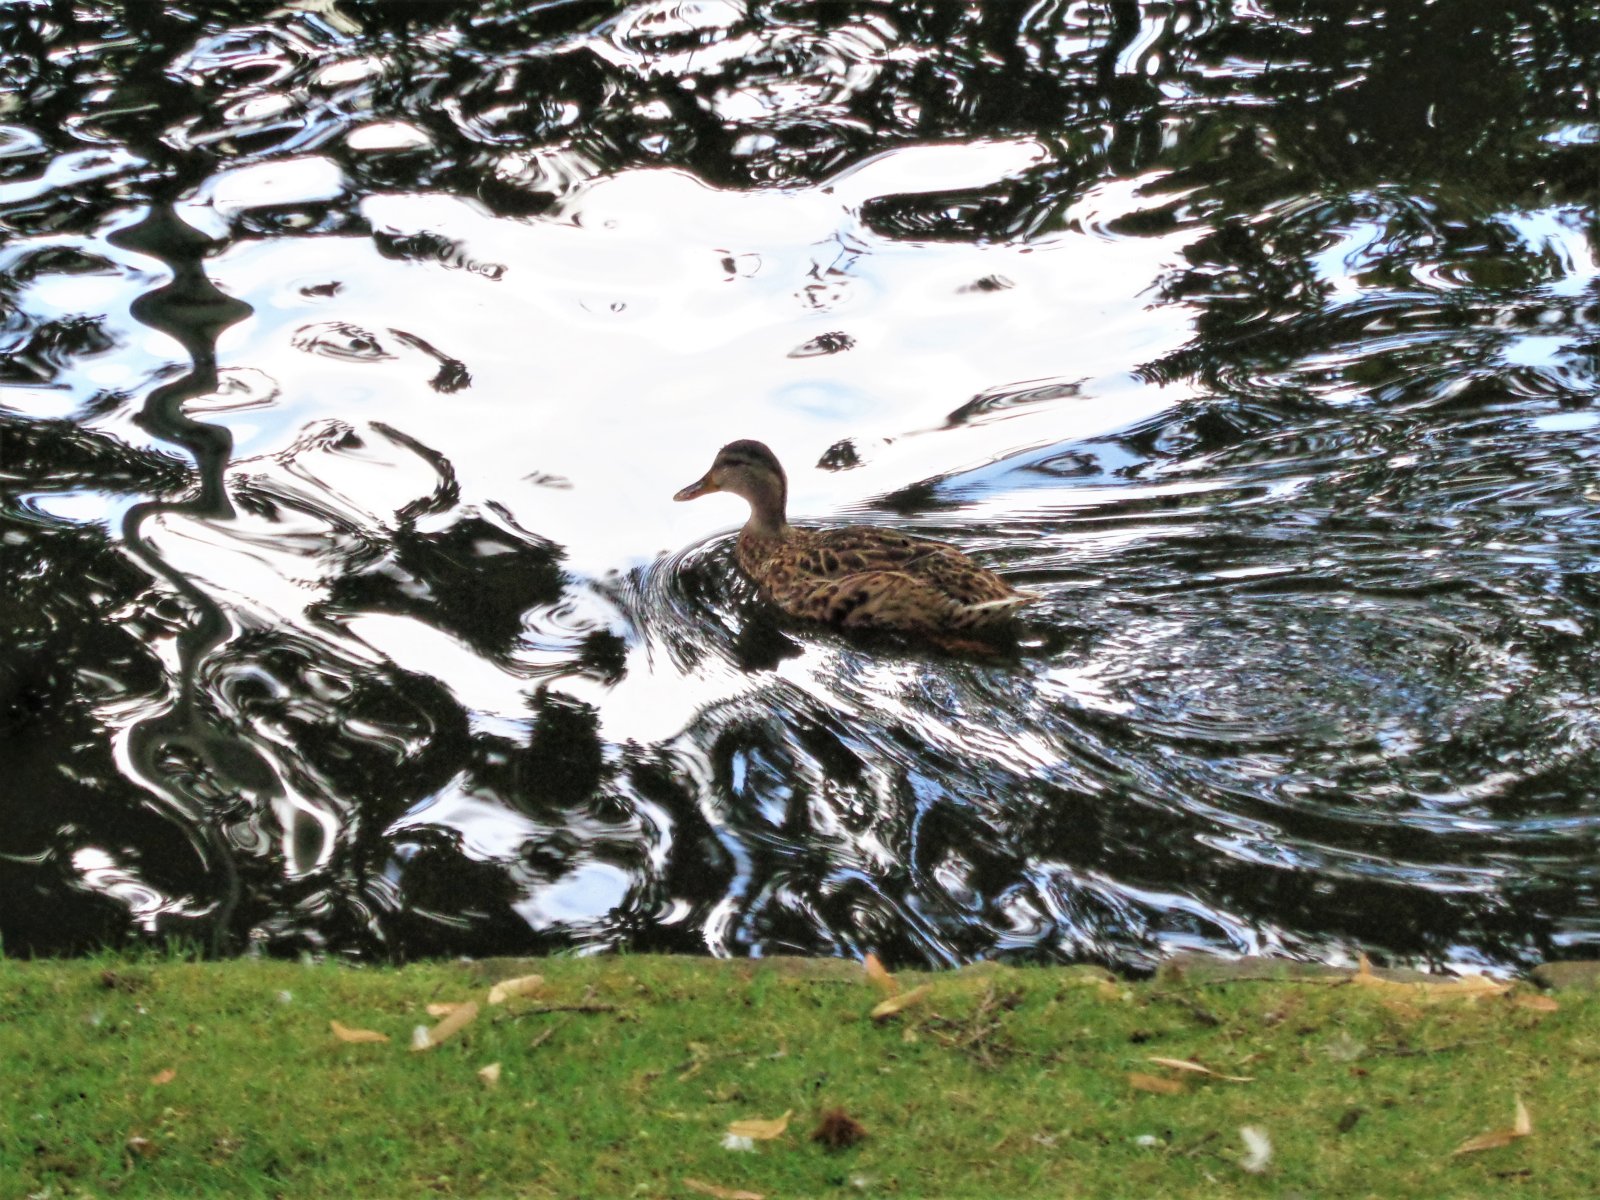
(350, 354)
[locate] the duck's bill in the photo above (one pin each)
(700, 487)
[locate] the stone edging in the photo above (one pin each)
(1574, 975)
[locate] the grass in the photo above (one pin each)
(620, 1076)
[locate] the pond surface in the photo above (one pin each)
(351, 353)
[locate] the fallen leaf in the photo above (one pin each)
(142, 1146)
(1159, 1084)
(490, 1075)
(1257, 1149)
(878, 976)
(1492, 1140)
(838, 1130)
(1537, 1001)
(523, 985)
(1465, 987)
(161, 1077)
(898, 1003)
(1521, 1127)
(1185, 1064)
(443, 1008)
(721, 1193)
(345, 1034)
(458, 1020)
(759, 1130)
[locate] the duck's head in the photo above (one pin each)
(750, 470)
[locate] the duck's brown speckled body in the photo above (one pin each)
(858, 576)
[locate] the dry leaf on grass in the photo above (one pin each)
(879, 977)
(523, 985)
(1159, 1084)
(1184, 1064)
(166, 1076)
(900, 1002)
(1537, 1001)
(459, 1019)
(721, 1193)
(443, 1008)
(1521, 1127)
(758, 1129)
(1257, 1149)
(345, 1034)
(490, 1075)
(1466, 987)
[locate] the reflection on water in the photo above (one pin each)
(350, 354)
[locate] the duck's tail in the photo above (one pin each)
(987, 611)
(1017, 599)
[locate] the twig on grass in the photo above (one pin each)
(1193, 1007)
(538, 1009)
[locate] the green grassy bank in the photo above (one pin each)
(619, 1077)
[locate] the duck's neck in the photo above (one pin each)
(767, 518)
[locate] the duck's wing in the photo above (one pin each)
(872, 599)
(837, 553)
(896, 600)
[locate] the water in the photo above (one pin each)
(350, 354)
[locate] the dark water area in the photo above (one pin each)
(351, 352)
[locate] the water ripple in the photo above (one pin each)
(352, 354)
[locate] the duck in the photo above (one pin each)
(852, 576)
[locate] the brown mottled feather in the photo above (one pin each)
(857, 576)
